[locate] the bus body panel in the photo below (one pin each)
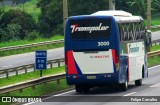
(89, 63)
(136, 60)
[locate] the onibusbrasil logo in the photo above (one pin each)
(89, 29)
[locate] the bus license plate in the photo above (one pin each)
(91, 77)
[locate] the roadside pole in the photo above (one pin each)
(65, 11)
(111, 4)
(148, 20)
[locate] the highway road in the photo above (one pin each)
(156, 35)
(102, 96)
(28, 58)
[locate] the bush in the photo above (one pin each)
(22, 18)
(10, 32)
(32, 35)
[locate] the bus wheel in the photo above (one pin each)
(82, 89)
(78, 88)
(138, 82)
(124, 86)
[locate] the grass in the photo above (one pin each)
(40, 90)
(152, 61)
(50, 87)
(29, 7)
(154, 21)
(155, 48)
(22, 42)
(31, 49)
(29, 76)
(155, 29)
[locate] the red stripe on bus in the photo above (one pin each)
(114, 56)
(71, 64)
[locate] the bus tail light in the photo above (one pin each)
(115, 58)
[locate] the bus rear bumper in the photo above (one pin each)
(100, 79)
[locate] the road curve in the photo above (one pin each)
(28, 58)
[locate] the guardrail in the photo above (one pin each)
(31, 45)
(50, 62)
(155, 42)
(153, 53)
(156, 26)
(42, 43)
(33, 83)
(26, 67)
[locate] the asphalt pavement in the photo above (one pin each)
(28, 58)
(112, 96)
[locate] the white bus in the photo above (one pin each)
(104, 48)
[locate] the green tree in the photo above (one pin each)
(10, 32)
(51, 18)
(138, 7)
(156, 7)
(32, 35)
(22, 18)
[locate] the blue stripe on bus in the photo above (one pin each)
(78, 69)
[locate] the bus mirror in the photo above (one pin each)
(148, 38)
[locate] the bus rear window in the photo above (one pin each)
(90, 28)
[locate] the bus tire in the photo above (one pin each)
(138, 82)
(78, 88)
(124, 86)
(82, 89)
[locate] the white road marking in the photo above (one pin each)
(155, 85)
(29, 103)
(65, 93)
(154, 67)
(129, 94)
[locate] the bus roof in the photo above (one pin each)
(113, 13)
(119, 15)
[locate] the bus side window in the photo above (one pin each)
(137, 33)
(143, 30)
(123, 32)
(120, 31)
(126, 32)
(130, 31)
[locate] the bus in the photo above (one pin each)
(105, 48)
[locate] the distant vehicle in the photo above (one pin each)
(106, 47)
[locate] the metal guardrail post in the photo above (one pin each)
(7, 74)
(34, 67)
(25, 68)
(59, 63)
(58, 81)
(16, 71)
(20, 90)
(51, 65)
(33, 87)
(31, 83)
